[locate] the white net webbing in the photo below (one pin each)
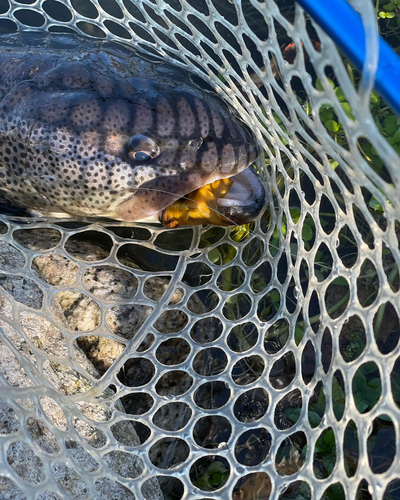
(140, 362)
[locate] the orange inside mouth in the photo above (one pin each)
(198, 207)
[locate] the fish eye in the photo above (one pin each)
(142, 148)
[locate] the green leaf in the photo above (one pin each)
(214, 255)
(391, 125)
(337, 392)
(307, 232)
(277, 118)
(324, 222)
(319, 85)
(396, 137)
(295, 214)
(359, 383)
(298, 334)
(328, 440)
(374, 99)
(389, 6)
(293, 414)
(326, 115)
(375, 205)
(366, 147)
(331, 82)
(314, 418)
(384, 15)
(360, 403)
(396, 388)
(347, 109)
(275, 296)
(340, 281)
(369, 368)
(373, 151)
(332, 125)
(340, 94)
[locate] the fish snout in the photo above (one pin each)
(225, 202)
(253, 150)
(245, 147)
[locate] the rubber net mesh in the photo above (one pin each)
(244, 363)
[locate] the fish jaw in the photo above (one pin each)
(225, 202)
(245, 199)
(197, 207)
(155, 195)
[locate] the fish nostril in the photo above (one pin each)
(196, 143)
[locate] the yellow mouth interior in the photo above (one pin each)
(198, 207)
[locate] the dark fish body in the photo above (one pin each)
(92, 128)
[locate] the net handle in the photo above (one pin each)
(344, 25)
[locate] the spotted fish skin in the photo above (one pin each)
(92, 128)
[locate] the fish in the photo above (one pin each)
(93, 128)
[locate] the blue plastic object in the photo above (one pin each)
(343, 24)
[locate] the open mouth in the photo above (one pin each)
(225, 202)
(183, 200)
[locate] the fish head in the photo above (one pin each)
(127, 150)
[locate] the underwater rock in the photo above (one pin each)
(33, 346)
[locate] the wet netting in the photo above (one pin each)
(247, 362)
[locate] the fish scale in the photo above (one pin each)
(72, 105)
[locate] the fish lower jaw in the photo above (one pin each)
(245, 190)
(225, 202)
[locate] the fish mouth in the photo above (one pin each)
(225, 202)
(178, 201)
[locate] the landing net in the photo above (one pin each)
(240, 363)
